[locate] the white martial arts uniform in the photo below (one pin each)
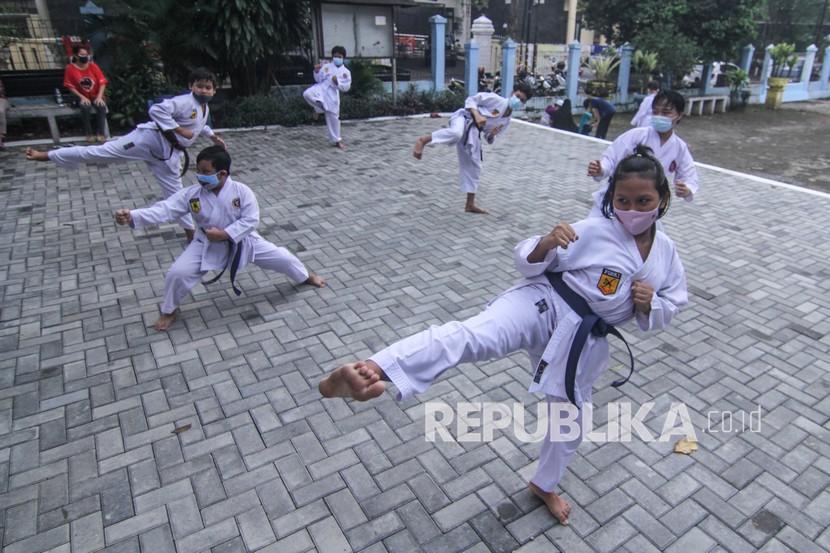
(600, 267)
(324, 96)
(147, 144)
(674, 155)
(235, 210)
(493, 108)
(643, 116)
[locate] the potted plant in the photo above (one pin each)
(737, 81)
(644, 63)
(783, 59)
(602, 66)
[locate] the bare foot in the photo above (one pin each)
(36, 155)
(340, 145)
(101, 138)
(418, 152)
(165, 321)
(475, 209)
(315, 280)
(360, 381)
(91, 139)
(558, 507)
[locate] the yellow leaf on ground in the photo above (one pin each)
(685, 445)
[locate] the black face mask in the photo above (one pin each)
(82, 59)
(202, 98)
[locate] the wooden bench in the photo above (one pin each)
(708, 104)
(31, 95)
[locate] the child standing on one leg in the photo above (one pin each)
(332, 79)
(661, 138)
(227, 214)
(487, 113)
(174, 125)
(620, 265)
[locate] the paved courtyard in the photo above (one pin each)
(213, 437)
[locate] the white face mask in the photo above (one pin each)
(637, 222)
(661, 123)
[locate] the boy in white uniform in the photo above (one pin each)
(660, 137)
(227, 215)
(485, 112)
(332, 79)
(179, 120)
(643, 116)
(610, 269)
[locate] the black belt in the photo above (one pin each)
(471, 122)
(591, 324)
(233, 262)
(170, 136)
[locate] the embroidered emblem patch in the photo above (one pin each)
(195, 205)
(673, 166)
(608, 282)
(236, 203)
(194, 114)
(129, 145)
(542, 305)
(540, 370)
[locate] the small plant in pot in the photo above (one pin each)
(783, 59)
(738, 92)
(644, 63)
(602, 67)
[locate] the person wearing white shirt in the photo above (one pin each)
(331, 79)
(483, 113)
(643, 116)
(579, 281)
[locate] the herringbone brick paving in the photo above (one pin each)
(213, 437)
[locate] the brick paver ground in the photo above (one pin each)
(213, 437)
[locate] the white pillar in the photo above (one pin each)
(483, 31)
(571, 7)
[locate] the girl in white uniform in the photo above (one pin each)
(643, 116)
(578, 280)
(486, 113)
(183, 117)
(227, 215)
(332, 79)
(661, 138)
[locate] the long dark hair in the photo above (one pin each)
(642, 163)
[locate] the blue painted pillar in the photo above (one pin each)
(438, 26)
(471, 67)
(705, 77)
(825, 69)
(746, 57)
(626, 53)
(766, 69)
(508, 67)
(807, 68)
(572, 78)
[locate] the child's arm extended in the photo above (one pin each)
(686, 185)
(537, 254)
(655, 310)
(165, 211)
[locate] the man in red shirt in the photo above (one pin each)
(84, 79)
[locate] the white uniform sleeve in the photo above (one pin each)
(344, 81)
(612, 155)
(687, 173)
(645, 108)
(318, 75)
(207, 132)
(524, 249)
(474, 101)
(164, 114)
(165, 211)
(249, 217)
(668, 300)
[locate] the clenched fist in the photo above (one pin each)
(123, 217)
(642, 294)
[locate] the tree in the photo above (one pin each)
(679, 31)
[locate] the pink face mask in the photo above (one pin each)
(636, 222)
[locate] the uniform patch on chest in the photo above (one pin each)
(608, 282)
(673, 166)
(194, 114)
(236, 203)
(195, 205)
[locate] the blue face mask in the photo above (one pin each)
(514, 103)
(661, 123)
(337, 61)
(210, 182)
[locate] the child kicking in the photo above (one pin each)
(486, 113)
(661, 138)
(227, 214)
(332, 79)
(578, 281)
(174, 125)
